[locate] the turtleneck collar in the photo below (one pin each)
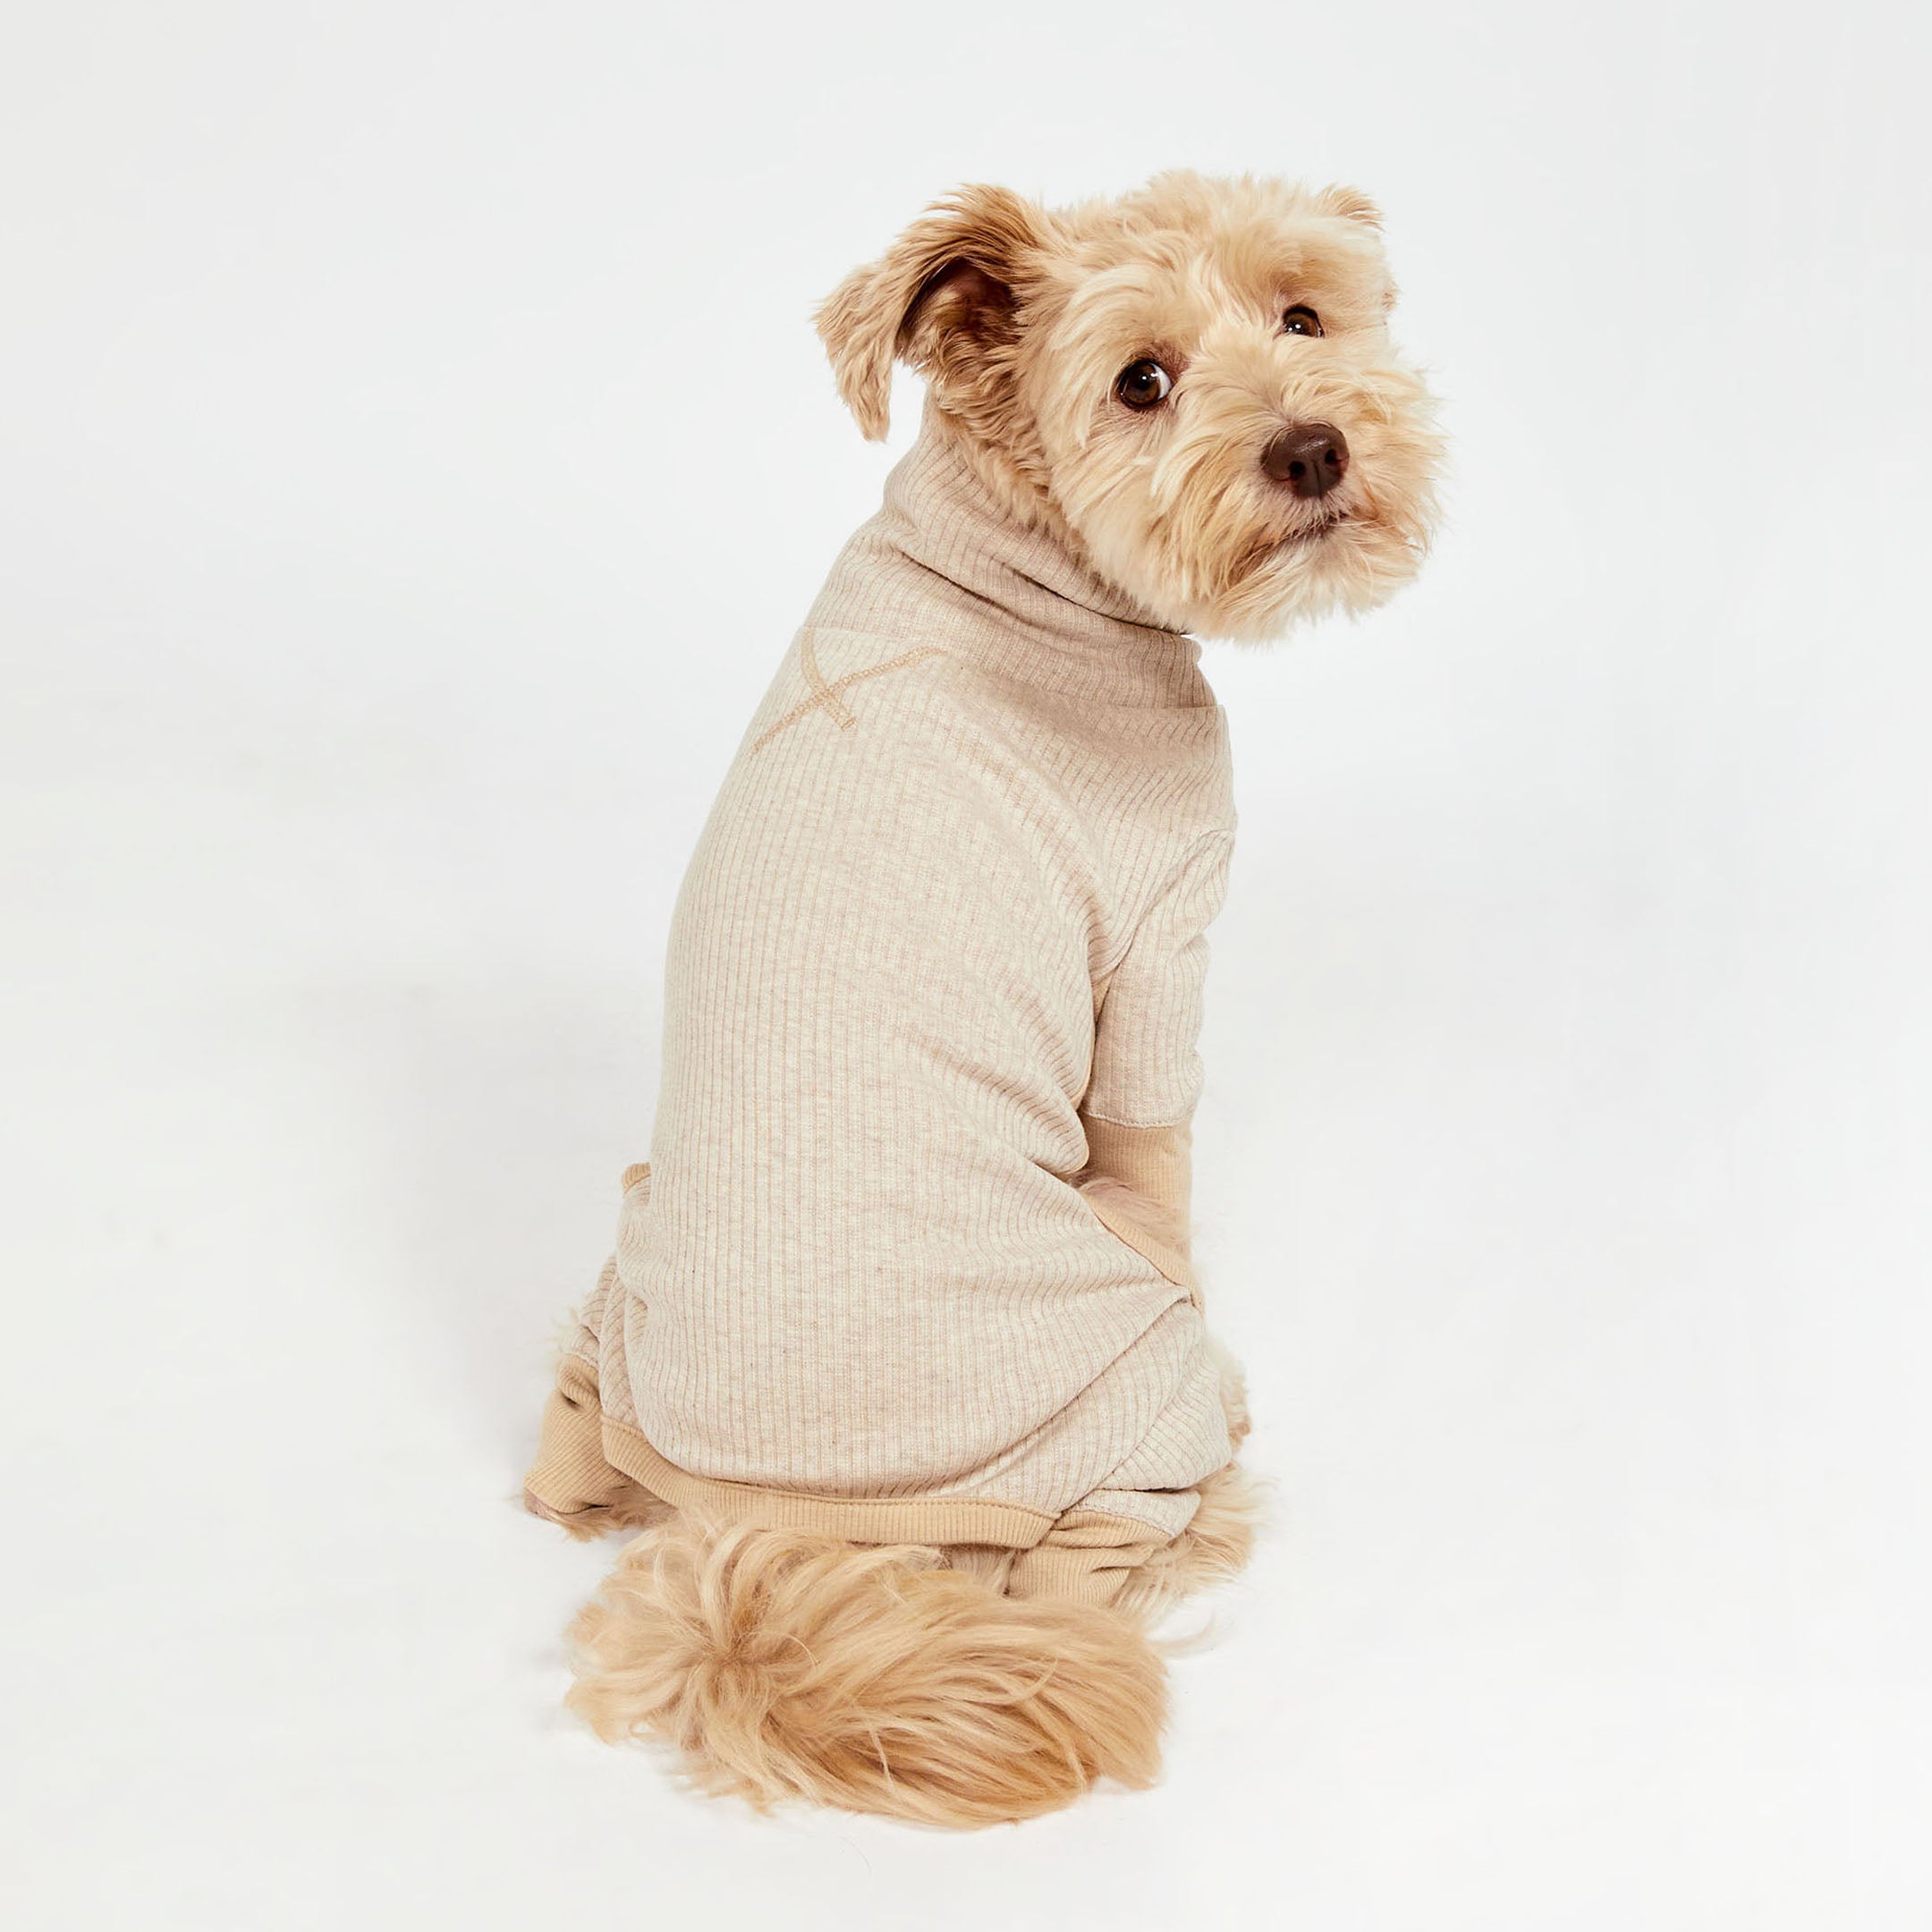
(943, 563)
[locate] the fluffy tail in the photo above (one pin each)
(785, 1664)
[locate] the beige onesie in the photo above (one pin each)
(935, 978)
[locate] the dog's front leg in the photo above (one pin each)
(1138, 1181)
(571, 1483)
(1138, 1107)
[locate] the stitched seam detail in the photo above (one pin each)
(827, 696)
(1142, 1126)
(824, 693)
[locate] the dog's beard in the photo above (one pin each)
(1352, 560)
(1311, 530)
(1230, 561)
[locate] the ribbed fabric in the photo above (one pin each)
(948, 910)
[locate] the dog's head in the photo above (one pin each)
(1194, 385)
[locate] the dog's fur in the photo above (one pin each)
(901, 1679)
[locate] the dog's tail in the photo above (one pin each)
(786, 1664)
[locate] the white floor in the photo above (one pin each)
(373, 646)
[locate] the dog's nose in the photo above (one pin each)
(1309, 458)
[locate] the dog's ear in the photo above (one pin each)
(1351, 204)
(943, 299)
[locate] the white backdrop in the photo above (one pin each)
(383, 392)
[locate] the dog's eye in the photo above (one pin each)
(1143, 383)
(1300, 321)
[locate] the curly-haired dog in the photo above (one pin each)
(900, 1364)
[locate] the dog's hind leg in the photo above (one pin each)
(571, 1484)
(1214, 1547)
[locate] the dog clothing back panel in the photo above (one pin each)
(942, 933)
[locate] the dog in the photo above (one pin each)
(899, 1365)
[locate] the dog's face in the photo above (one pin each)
(1195, 384)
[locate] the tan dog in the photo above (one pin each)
(901, 1362)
